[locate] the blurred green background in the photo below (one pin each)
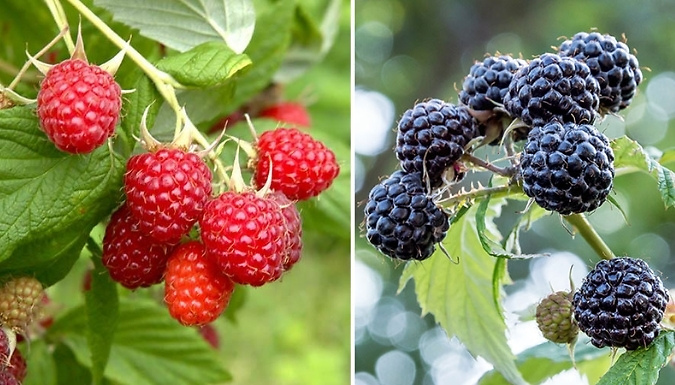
(409, 51)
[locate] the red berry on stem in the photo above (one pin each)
(196, 291)
(302, 167)
(291, 113)
(244, 234)
(166, 191)
(132, 258)
(78, 105)
(293, 226)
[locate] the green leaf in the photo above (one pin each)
(532, 214)
(148, 347)
(206, 65)
(462, 297)
(641, 366)
(668, 156)
(184, 24)
(268, 46)
(311, 40)
(490, 245)
(145, 95)
(102, 308)
(49, 199)
(69, 371)
(543, 361)
(41, 363)
(629, 155)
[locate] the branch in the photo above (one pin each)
(581, 224)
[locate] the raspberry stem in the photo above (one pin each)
(59, 16)
(164, 82)
(503, 171)
(493, 192)
(584, 227)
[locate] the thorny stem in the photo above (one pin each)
(164, 82)
(587, 231)
(494, 192)
(506, 172)
(59, 17)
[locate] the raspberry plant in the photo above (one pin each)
(551, 155)
(123, 126)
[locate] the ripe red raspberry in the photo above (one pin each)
(244, 234)
(132, 258)
(166, 191)
(17, 366)
(292, 113)
(293, 226)
(195, 290)
(302, 167)
(78, 105)
(6, 378)
(20, 303)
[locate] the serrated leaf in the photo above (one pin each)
(102, 309)
(543, 361)
(462, 297)
(149, 347)
(206, 65)
(641, 366)
(490, 245)
(184, 24)
(41, 363)
(629, 155)
(49, 199)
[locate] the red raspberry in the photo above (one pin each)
(17, 366)
(20, 303)
(195, 290)
(302, 166)
(293, 225)
(78, 105)
(6, 378)
(244, 234)
(132, 258)
(292, 113)
(166, 191)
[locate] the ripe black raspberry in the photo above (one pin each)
(567, 168)
(488, 82)
(620, 304)
(553, 87)
(611, 63)
(435, 132)
(402, 221)
(554, 318)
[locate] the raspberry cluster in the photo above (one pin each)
(174, 228)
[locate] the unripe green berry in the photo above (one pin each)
(554, 318)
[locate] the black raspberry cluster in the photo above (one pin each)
(565, 165)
